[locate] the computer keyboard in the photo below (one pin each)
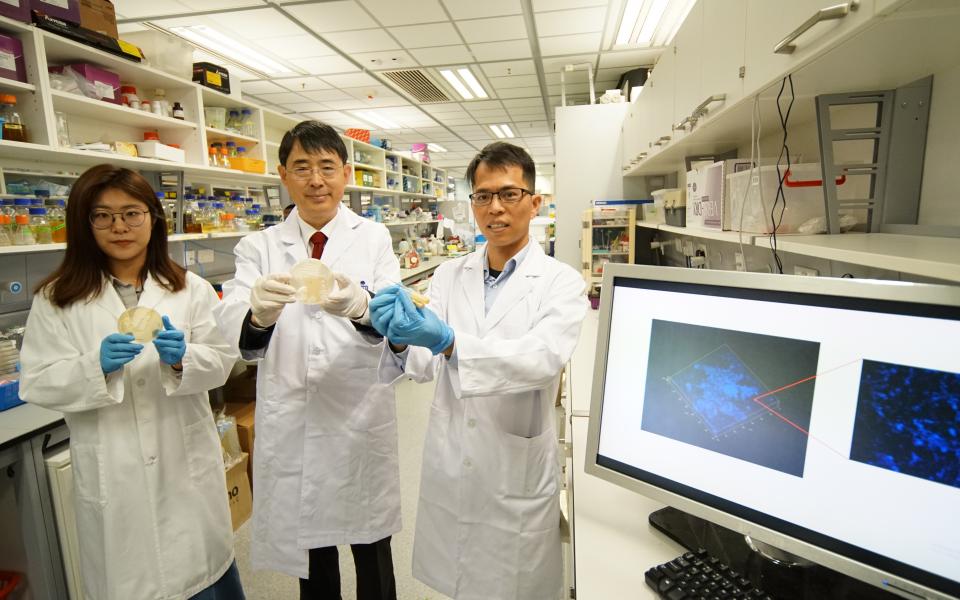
(699, 576)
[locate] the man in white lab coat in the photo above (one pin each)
(325, 468)
(500, 325)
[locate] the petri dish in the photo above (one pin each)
(141, 322)
(312, 279)
(419, 299)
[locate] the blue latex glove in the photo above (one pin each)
(116, 350)
(170, 344)
(418, 326)
(382, 308)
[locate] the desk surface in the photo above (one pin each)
(407, 275)
(24, 420)
(614, 544)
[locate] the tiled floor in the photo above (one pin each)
(413, 408)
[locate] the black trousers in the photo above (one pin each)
(374, 564)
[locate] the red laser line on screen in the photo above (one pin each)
(791, 423)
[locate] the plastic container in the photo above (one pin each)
(233, 121)
(22, 234)
(40, 225)
(215, 117)
(248, 126)
(803, 193)
(129, 97)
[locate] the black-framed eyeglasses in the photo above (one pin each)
(306, 173)
(510, 195)
(103, 219)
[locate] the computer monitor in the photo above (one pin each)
(821, 416)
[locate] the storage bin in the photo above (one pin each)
(10, 394)
(248, 165)
(676, 216)
(803, 193)
(154, 149)
(16, 9)
(215, 117)
(11, 58)
(162, 51)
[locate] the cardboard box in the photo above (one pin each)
(99, 15)
(106, 83)
(154, 149)
(65, 10)
(212, 76)
(11, 58)
(239, 494)
(244, 414)
(252, 165)
(16, 9)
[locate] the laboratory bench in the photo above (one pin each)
(426, 267)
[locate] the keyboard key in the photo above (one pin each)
(677, 594)
(665, 585)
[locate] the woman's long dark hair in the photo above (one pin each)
(81, 274)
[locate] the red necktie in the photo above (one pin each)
(318, 240)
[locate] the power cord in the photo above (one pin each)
(777, 219)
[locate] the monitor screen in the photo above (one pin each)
(821, 416)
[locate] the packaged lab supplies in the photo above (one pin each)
(362, 135)
(212, 76)
(18, 10)
(91, 81)
(11, 58)
(705, 193)
(238, 492)
(99, 16)
(65, 10)
(154, 149)
(802, 190)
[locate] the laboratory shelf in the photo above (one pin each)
(222, 135)
(358, 165)
(405, 223)
(18, 86)
(186, 237)
(31, 249)
(228, 234)
(114, 113)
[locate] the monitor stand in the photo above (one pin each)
(780, 574)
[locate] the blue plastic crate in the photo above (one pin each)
(10, 394)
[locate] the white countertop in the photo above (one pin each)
(580, 377)
(424, 267)
(25, 419)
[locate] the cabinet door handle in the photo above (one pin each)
(702, 108)
(786, 45)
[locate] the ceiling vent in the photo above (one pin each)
(417, 84)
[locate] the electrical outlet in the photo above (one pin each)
(205, 256)
(741, 263)
(805, 271)
(189, 258)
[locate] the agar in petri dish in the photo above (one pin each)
(141, 322)
(312, 279)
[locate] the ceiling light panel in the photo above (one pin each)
(569, 22)
(457, 84)
(213, 40)
(470, 79)
(377, 119)
(497, 131)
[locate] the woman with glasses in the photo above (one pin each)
(151, 509)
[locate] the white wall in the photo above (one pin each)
(939, 204)
(588, 142)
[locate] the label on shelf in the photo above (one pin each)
(7, 60)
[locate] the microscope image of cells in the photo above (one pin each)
(908, 421)
(720, 389)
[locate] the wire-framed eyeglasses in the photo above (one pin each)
(306, 173)
(510, 195)
(103, 219)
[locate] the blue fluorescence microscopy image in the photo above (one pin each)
(723, 391)
(908, 421)
(745, 395)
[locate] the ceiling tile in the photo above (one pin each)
(570, 44)
(210, 4)
(629, 58)
(527, 113)
(545, 5)
(385, 60)
(502, 118)
(522, 92)
(500, 114)
(442, 55)
(571, 89)
(513, 81)
(299, 84)
(351, 80)
(539, 141)
(283, 97)
(568, 22)
(508, 68)
(555, 64)
(391, 12)
(488, 30)
(365, 40)
(295, 46)
(443, 107)
(476, 105)
(322, 65)
(423, 36)
(132, 9)
(471, 9)
(304, 106)
(261, 87)
(493, 51)
(470, 131)
(326, 95)
(332, 16)
(255, 24)
(523, 103)
(455, 120)
(349, 104)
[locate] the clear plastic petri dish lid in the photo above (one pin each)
(141, 322)
(312, 279)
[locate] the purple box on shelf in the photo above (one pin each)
(16, 9)
(11, 58)
(107, 83)
(67, 10)
(9, 393)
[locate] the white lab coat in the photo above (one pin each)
(150, 492)
(488, 521)
(325, 469)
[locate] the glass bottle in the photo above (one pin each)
(233, 121)
(40, 225)
(213, 159)
(178, 111)
(22, 234)
(224, 158)
(216, 216)
(247, 125)
(13, 128)
(203, 217)
(252, 218)
(7, 216)
(232, 149)
(57, 215)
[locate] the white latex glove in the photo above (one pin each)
(346, 299)
(268, 297)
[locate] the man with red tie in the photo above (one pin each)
(325, 469)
